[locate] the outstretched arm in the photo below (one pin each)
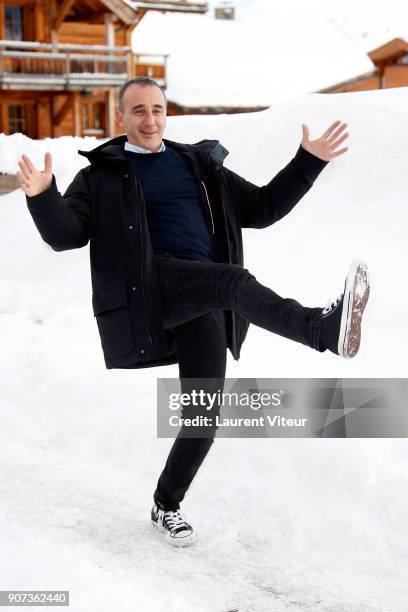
(263, 206)
(62, 221)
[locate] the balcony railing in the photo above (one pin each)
(33, 65)
(38, 65)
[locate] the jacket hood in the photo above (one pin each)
(112, 151)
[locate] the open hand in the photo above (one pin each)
(325, 146)
(33, 181)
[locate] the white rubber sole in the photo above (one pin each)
(356, 294)
(180, 541)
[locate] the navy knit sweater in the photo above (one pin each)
(174, 210)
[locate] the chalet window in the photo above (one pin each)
(17, 118)
(14, 22)
(93, 119)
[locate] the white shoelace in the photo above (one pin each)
(174, 518)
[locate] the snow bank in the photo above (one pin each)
(283, 524)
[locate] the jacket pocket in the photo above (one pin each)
(111, 309)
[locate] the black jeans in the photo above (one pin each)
(194, 296)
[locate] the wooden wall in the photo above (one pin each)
(396, 76)
(372, 82)
(73, 32)
(43, 107)
(393, 76)
(38, 18)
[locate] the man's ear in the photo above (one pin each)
(119, 116)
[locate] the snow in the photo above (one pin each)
(366, 23)
(248, 62)
(284, 52)
(283, 524)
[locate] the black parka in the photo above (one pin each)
(104, 205)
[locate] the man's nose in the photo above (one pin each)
(149, 117)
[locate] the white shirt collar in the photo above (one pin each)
(136, 149)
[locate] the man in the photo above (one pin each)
(164, 222)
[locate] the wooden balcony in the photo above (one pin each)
(32, 65)
(42, 66)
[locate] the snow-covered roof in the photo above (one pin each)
(367, 23)
(170, 5)
(216, 62)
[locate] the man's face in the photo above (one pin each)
(144, 116)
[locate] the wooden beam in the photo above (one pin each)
(110, 112)
(121, 10)
(63, 11)
(2, 24)
(180, 5)
(53, 13)
(62, 111)
(44, 116)
(47, 21)
(4, 116)
(76, 109)
(109, 30)
(54, 127)
(87, 17)
(130, 58)
(140, 13)
(40, 20)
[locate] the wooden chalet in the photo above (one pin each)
(391, 63)
(63, 61)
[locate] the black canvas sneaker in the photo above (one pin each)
(341, 319)
(173, 525)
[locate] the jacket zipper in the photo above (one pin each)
(149, 334)
(209, 206)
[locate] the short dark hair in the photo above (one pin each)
(144, 82)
